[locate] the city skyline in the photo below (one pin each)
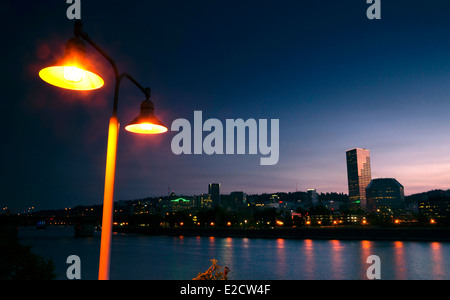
(333, 78)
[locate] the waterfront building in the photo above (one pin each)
(385, 194)
(359, 176)
(180, 204)
(435, 208)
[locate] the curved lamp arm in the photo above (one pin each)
(78, 32)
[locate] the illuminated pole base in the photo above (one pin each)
(108, 200)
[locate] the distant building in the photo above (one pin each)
(312, 197)
(384, 194)
(180, 204)
(238, 200)
(359, 176)
(274, 198)
(203, 201)
(436, 208)
(138, 208)
(214, 191)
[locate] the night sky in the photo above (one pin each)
(333, 78)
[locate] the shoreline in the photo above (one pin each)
(323, 233)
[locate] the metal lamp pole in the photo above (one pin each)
(108, 199)
(73, 73)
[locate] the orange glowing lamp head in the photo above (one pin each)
(73, 72)
(146, 122)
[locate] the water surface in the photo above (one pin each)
(182, 258)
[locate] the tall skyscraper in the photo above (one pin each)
(359, 176)
(214, 191)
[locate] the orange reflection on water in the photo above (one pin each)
(229, 242)
(366, 248)
(336, 259)
(245, 242)
(366, 244)
(227, 252)
(438, 261)
(309, 244)
(310, 261)
(281, 256)
(399, 260)
(280, 243)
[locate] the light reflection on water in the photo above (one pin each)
(163, 257)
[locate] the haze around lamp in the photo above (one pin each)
(73, 72)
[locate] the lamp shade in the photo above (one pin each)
(73, 71)
(146, 122)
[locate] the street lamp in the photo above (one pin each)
(74, 72)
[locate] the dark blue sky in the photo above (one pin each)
(333, 78)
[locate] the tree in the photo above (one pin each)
(215, 272)
(17, 262)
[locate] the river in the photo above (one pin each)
(182, 258)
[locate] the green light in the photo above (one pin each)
(180, 200)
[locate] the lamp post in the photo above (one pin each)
(74, 72)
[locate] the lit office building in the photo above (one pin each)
(385, 194)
